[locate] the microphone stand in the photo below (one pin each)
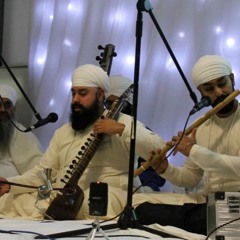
(148, 8)
(36, 114)
(128, 218)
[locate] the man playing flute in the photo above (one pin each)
(212, 151)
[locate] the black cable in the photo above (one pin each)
(114, 236)
(220, 226)
(19, 231)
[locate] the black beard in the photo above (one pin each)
(80, 120)
(6, 133)
(228, 108)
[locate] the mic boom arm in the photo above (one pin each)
(52, 117)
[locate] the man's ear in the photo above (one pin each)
(101, 94)
(232, 78)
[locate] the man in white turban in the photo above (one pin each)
(212, 153)
(76, 159)
(18, 151)
(118, 85)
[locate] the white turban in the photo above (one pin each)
(118, 85)
(210, 67)
(9, 92)
(89, 75)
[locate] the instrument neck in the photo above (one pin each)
(84, 157)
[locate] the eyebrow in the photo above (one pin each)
(79, 90)
(219, 79)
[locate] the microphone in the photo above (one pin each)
(52, 117)
(204, 102)
(44, 191)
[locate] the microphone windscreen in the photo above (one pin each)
(53, 117)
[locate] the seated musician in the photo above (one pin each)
(19, 151)
(150, 180)
(212, 153)
(109, 164)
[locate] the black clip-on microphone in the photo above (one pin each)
(52, 117)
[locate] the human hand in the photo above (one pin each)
(158, 161)
(4, 187)
(185, 144)
(108, 126)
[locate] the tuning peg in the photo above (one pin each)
(98, 58)
(100, 47)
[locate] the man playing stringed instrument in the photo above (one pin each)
(69, 151)
(212, 153)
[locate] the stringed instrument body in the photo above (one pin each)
(68, 201)
(66, 204)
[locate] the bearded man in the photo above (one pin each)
(18, 151)
(212, 153)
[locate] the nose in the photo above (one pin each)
(218, 91)
(75, 98)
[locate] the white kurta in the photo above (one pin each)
(110, 164)
(23, 153)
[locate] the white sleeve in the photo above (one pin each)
(212, 162)
(188, 175)
(146, 140)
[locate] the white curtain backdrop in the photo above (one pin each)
(66, 33)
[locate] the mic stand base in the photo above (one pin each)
(128, 219)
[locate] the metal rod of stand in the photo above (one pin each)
(36, 114)
(192, 94)
(128, 218)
